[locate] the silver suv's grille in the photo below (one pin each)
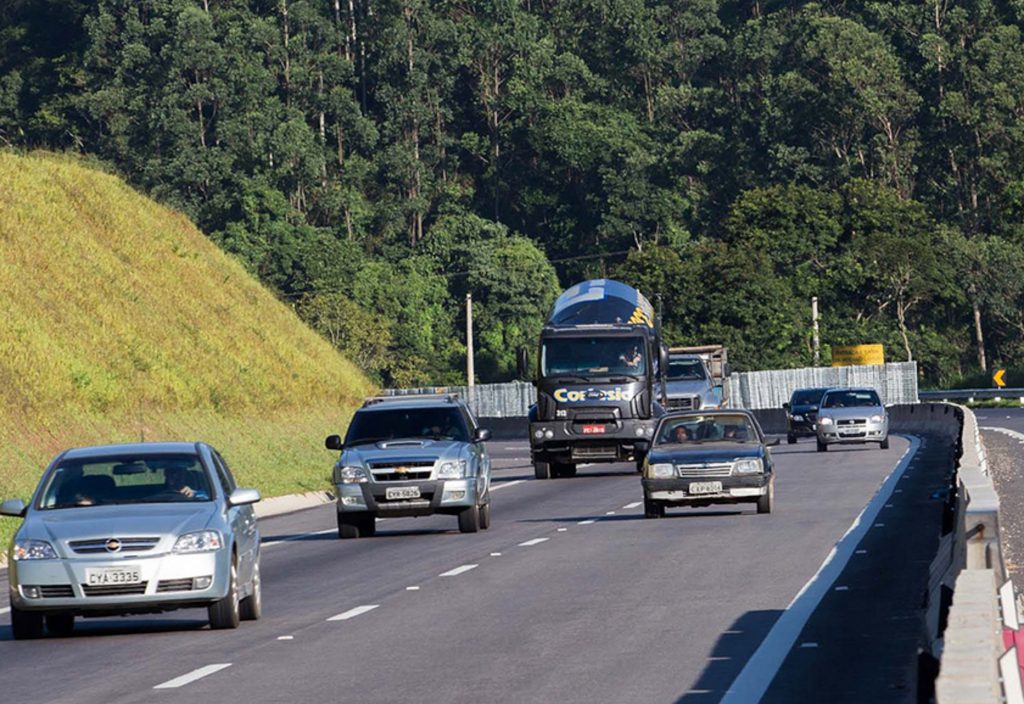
(685, 403)
(704, 470)
(88, 547)
(401, 471)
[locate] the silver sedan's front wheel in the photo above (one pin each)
(226, 613)
(251, 607)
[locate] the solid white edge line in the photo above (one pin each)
(586, 522)
(502, 485)
(634, 504)
(535, 541)
(292, 539)
(756, 676)
(192, 676)
(458, 570)
(352, 613)
(4, 610)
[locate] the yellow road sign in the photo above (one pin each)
(998, 378)
(851, 355)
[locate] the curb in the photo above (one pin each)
(274, 506)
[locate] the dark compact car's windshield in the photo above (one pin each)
(713, 428)
(126, 479)
(806, 397)
(850, 399)
(685, 370)
(377, 425)
(589, 356)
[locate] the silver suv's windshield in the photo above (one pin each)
(377, 425)
(686, 370)
(850, 399)
(103, 481)
(589, 356)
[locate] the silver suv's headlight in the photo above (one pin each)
(455, 469)
(200, 541)
(34, 550)
(877, 419)
(747, 467)
(662, 470)
(351, 475)
(825, 421)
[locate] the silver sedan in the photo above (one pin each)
(129, 529)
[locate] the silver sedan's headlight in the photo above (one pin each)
(200, 541)
(352, 475)
(662, 470)
(877, 419)
(748, 467)
(452, 470)
(34, 550)
(824, 421)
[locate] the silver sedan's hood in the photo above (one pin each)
(403, 451)
(855, 412)
(97, 522)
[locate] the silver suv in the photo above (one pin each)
(412, 456)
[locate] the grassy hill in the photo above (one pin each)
(121, 322)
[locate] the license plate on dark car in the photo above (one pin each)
(593, 429)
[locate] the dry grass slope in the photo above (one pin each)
(121, 321)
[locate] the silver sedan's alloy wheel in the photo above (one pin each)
(226, 612)
(251, 607)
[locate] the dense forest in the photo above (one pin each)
(375, 160)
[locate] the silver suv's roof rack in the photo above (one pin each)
(405, 398)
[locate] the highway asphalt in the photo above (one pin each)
(571, 596)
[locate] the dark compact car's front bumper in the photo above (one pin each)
(746, 488)
(803, 428)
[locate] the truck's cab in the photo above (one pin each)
(599, 360)
(696, 378)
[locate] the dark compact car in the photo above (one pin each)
(704, 458)
(802, 413)
(412, 456)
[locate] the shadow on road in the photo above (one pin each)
(116, 626)
(731, 652)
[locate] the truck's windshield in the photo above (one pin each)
(590, 356)
(685, 370)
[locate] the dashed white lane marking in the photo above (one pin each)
(495, 554)
(286, 637)
(412, 589)
(634, 504)
(4, 610)
(458, 570)
(842, 589)
(609, 513)
(808, 645)
(535, 541)
(292, 539)
(352, 613)
(888, 505)
(862, 552)
(761, 667)
(586, 522)
(502, 485)
(193, 676)
(562, 530)
(879, 525)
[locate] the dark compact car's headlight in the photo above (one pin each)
(797, 416)
(662, 470)
(748, 466)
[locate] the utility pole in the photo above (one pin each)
(469, 341)
(814, 320)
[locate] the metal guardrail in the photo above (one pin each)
(968, 394)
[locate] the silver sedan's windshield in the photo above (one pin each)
(123, 479)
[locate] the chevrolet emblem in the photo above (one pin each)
(401, 470)
(113, 545)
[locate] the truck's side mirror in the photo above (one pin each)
(663, 359)
(333, 442)
(522, 363)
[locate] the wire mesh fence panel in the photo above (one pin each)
(895, 383)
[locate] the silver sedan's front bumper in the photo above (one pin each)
(845, 434)
(64, 583)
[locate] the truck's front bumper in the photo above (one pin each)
(734, 489)
(567, 441)
(435, 496)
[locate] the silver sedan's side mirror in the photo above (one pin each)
(13, 507)
(243, 497)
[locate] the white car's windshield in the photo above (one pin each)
(850, 399)
(104, 481)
